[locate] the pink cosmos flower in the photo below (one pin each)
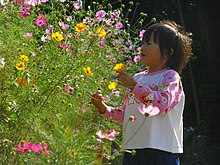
(109, 22)
(148, 111)
(63, 46)
(108, 135)
(27, 35)
(50, 27)
(137, 58)
(141, 35)
(32, 2)
(22, 147)
(26, 146)
(118, 25)
(64, 26)
(68, 88)
(41, 21)
(114, 15)
(24, 11)
(101, 44)
(35, 2)
(19, 2)
(78, 5)
(100, 15)
(36, 147)
(44, 1)
(129, 62)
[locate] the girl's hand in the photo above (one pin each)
(97, 100)
(126, 80)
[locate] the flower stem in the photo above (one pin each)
(135, 132)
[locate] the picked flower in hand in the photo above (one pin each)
(119, 67)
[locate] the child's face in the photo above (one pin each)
(151, 55)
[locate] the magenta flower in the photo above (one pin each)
(137, 58)
(68, 88)
(129, 62)
(114, 15)
(118, 25)
(148, 111)
(19, 2)
(26, 146)
(141, 35)
(101, 44)
(108, 135)
(36, 147)
(22, 147)
(24, 11)
(41, 21)
(63, 46)
(100, 15)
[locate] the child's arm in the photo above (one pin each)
(164, 99)
(115, 114)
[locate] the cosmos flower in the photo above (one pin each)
(119, 67)
(149, 110)
(20, 66)
(109, 135)
(80, 27)
(88, 71)
(57, 36)
(41, 21)
(141, 34)
(23, 58)
(24, 11)
(101, 32)
(100, 15)
(118, 25)
(73, 153)
(137, 58)
(112, 85)
(78, 5)
(27, 35)
(21, 81)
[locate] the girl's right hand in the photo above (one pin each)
(97, 97)
(97, 100)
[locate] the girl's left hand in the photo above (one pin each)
(126, 80)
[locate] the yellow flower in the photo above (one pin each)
(88, 71)
(112, 85)
(57, 36)
(20, 66)
(73, 153)
(21, 81)
(23, 58)
(101, 32)
(119, 67)
(80, 27)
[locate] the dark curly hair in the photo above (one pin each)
(173, 41)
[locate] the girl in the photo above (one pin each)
(155, 97)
